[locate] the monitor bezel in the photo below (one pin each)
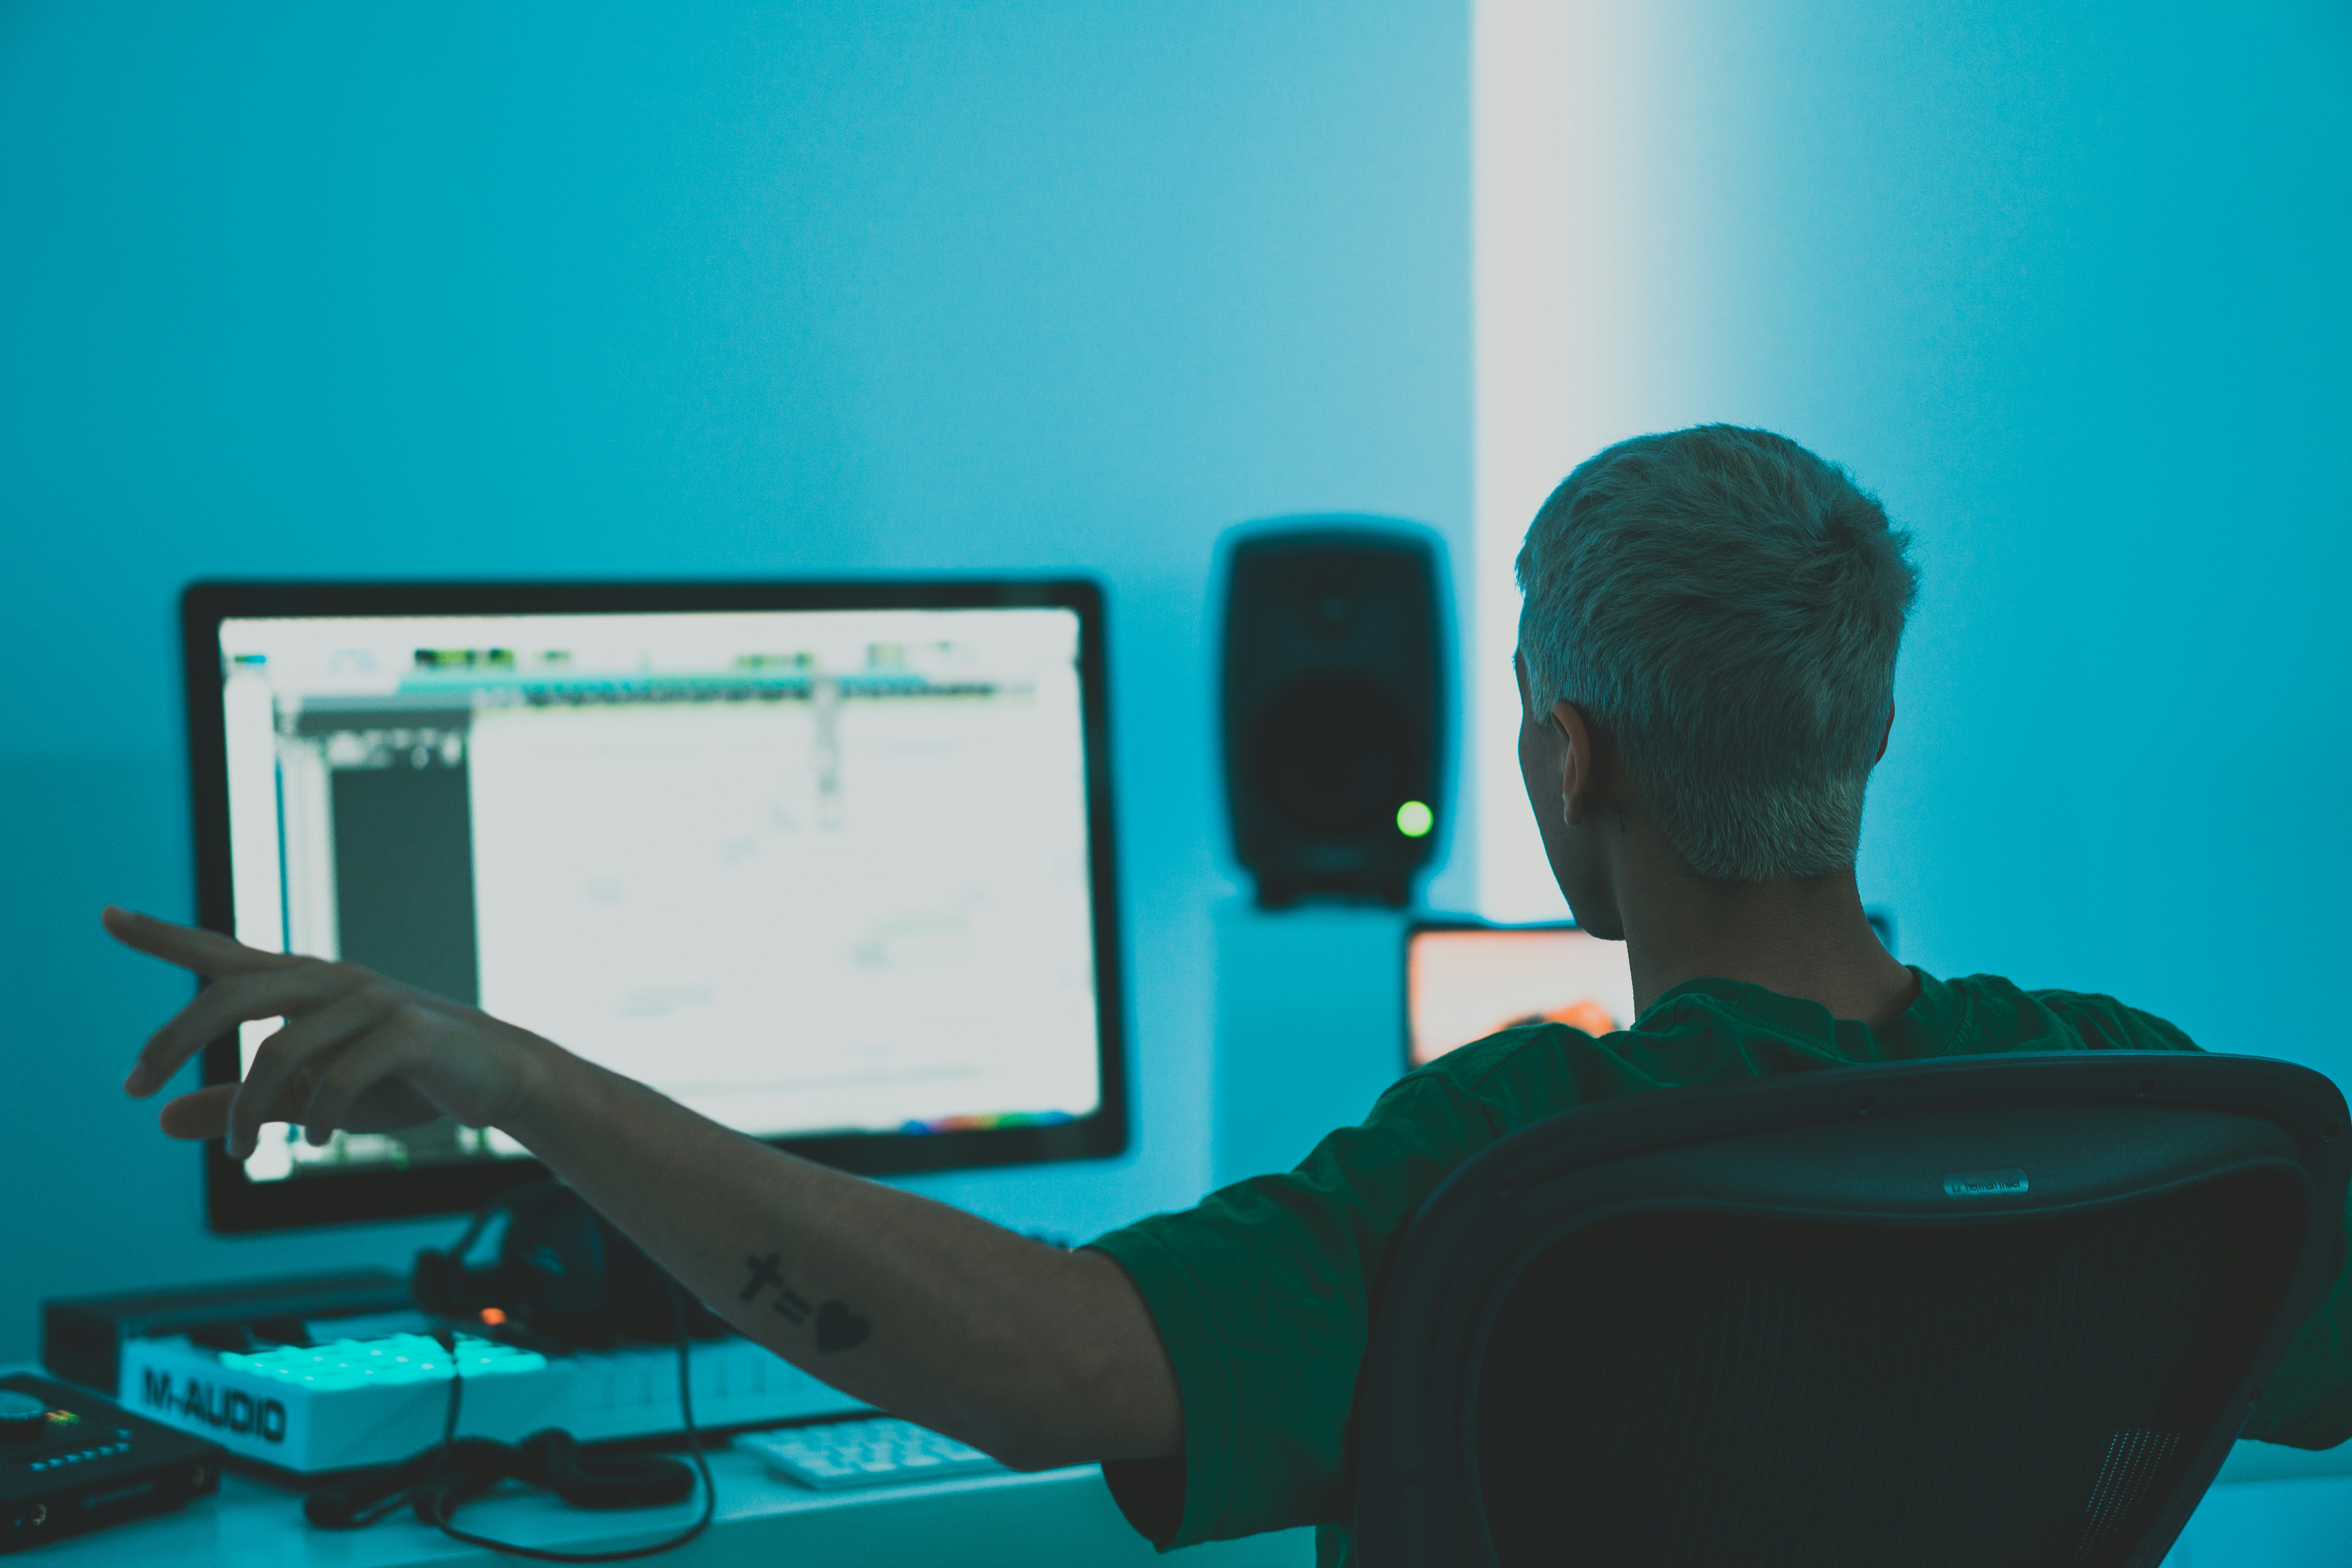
(234, 1203)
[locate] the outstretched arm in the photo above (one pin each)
(1038, 1356)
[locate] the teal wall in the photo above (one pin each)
(2067, 284)
(2099, 363)
(823, 288)
(441, 289)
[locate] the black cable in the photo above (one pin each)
(435, 1502)
(474, 1228)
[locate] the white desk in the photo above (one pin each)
(1051, 1519)
(2272, 1508)
(1059, 1517)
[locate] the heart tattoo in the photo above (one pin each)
(839, 1329)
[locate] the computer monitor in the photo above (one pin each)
(830, 863)
(1465, 980)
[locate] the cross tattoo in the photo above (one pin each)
(765, 1273)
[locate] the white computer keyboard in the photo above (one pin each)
(862, 1453)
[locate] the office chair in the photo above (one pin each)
(1982, 1310)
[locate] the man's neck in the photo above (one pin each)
(1805, 939)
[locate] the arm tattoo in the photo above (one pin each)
(839, 1326)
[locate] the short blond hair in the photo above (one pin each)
(1728, 606)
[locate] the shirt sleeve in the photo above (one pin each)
(2106, 1025)
(2307, 1402)
(1263, 1296)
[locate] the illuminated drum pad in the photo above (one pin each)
(401, 1358)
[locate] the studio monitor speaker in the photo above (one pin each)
(1334, 708)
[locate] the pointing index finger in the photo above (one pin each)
(206, 953)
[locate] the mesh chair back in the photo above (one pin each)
(1997, 1310)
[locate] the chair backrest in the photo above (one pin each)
(2004, 1309)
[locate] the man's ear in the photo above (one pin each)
(1578, 780)
(1884, 735)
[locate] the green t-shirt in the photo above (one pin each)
(1262, 1292)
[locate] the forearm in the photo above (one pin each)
(1036, 1355)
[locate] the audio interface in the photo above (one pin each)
(72, 1462)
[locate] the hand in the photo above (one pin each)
(358, 1052)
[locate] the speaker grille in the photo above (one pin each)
(1332, 710)
(1333, 756)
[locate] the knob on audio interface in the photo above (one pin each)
(23, 1418)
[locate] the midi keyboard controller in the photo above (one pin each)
(377, 1399)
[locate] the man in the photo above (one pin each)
(1706, 669)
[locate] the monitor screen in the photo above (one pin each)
(826, 864)
(1464, 982)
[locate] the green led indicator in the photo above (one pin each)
(1413, 819)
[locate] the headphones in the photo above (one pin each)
(563, 1270)
(436, 1481)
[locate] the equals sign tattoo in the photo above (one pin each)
(792, 1305)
